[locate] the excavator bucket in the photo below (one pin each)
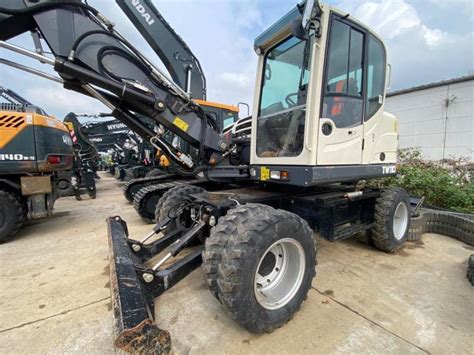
(135, 286)
(132, 303)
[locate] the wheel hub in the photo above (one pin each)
(400, 220)
(279, 273)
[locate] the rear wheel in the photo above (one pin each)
(392, 220)
(266, 268)
(11, 215)
(172, 202)
(172, 199)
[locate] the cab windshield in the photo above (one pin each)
(281, 120)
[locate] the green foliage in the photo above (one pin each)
(447, 184)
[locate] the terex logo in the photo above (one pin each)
(141, 9)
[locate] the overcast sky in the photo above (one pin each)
(427, 41)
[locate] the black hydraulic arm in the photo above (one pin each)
(94, 59)
(175, 54)
(12, 97)
(18, 102)
(106, 127)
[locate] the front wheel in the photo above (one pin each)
(11, 215)
(266, 268)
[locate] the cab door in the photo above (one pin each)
(340, 134)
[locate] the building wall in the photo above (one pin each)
(439, 120)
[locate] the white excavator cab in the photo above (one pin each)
(319, 101)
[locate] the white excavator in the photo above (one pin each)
(254, 197)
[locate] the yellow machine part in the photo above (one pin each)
(217, 105)
(12, 123)
(164, 161)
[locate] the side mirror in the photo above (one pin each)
(388, 78)
(297, 29)
(268, 72)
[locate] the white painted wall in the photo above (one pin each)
(426, 123)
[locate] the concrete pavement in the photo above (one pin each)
(55, 295)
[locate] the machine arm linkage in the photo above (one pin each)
(94, 59)
(175, 54)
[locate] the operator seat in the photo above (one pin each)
(343, 109)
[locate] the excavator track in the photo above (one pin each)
(135, 185)
(146, 198)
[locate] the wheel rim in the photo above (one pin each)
(400, 220)
(279, 273)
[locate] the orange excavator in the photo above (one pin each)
(34, 148)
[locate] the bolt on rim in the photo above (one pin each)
(400, 220)
(279, 273)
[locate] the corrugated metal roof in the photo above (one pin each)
(431, 85)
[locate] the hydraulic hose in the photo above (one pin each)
(121, 53)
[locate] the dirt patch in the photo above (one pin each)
(106, 270)
(388, 266)
(402, 252)
(468, 247)
(41, 306)
(415, 245)
(329, 293)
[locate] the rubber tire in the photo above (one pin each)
(234, 221)
(13, 214)
(470, 269)
(364, 238)
(172, 197)
(241, 254)
(382, 232)
(417, 225)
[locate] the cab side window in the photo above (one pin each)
(375, 76)
(343, 101)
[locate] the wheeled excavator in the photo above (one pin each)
(86, 158)
(35, 149)
(318, 127)
(134, 158)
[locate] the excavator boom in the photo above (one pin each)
(175, 54)
(94, 59)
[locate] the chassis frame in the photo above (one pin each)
(337, 212)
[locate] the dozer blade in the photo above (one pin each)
(133, 305)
